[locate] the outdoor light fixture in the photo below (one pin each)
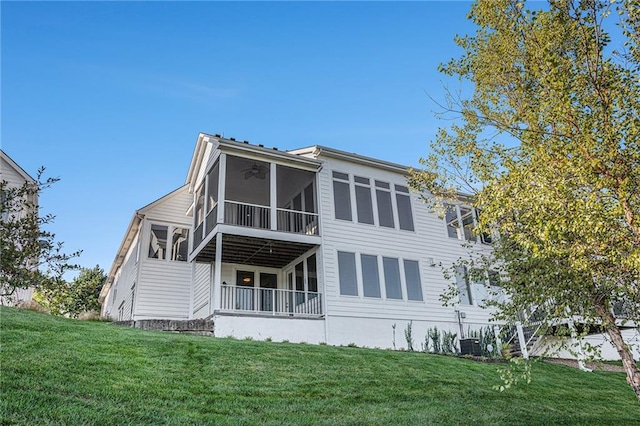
(246, 280)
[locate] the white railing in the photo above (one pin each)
(244, 214)
(270, 301)
(297, 222)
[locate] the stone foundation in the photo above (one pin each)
(202, 327)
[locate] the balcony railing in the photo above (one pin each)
(257, 216)
(270, 301)
(297, 222)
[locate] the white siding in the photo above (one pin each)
(201, 290)
(12, 176)
(164, 286)
(163, 290)
(120, 295)
(14, 179)
(429, 240)
(172, 210)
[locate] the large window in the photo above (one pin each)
(385, 210)
(347, 273)
(392, 278)
(475, 291)
(370, 276)
(386, 195)
(462, 284)
(178, 247)
(461, 222)
(180, 244)
(158, 242)
(405, 215)
(341, 196)
(412, 278)
(363, 200)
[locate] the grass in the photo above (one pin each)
(60, 371)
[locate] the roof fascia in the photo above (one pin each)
(319, 150)
(283, 157)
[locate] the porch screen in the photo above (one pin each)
(347, 273)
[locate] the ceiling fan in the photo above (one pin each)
(256, 170)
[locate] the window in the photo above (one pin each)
(179, 245)
(158, 242)
(462, 283)
(363, 200)
(412, 279)
(385, 210)
(392, 278)
(466, 215)
(347, 273)
(312, 274)
(341, 196)
(461, 222)
(403, 200)
(451, 217)
(370, 276)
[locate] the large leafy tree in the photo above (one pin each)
(30, 256)
(75, 297)
(549, 145)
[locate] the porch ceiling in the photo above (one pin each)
(254, 251)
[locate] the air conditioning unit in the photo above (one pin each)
(470, 347)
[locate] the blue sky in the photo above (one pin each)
(110, 96)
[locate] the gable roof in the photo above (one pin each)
(16, 167)
(243, 148)
(129, 236)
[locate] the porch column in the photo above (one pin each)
(214, 303)
(222, 180)
(273, 197)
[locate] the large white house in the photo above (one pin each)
(314, 245)
(15, 177)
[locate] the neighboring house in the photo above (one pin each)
(313, 245)
(16, 177)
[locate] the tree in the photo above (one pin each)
(549, 146)
(30, 256)
(75, 297)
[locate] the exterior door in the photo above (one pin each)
(244, 290)
(268, 293)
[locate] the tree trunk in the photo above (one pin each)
(628, 363)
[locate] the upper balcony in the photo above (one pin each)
(255, 193)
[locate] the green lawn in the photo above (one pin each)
(60, 371)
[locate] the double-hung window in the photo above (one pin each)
(363, 200)
(370, 275)
(385, 209)
(405, 215)
(347, 273)
(341, 196)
